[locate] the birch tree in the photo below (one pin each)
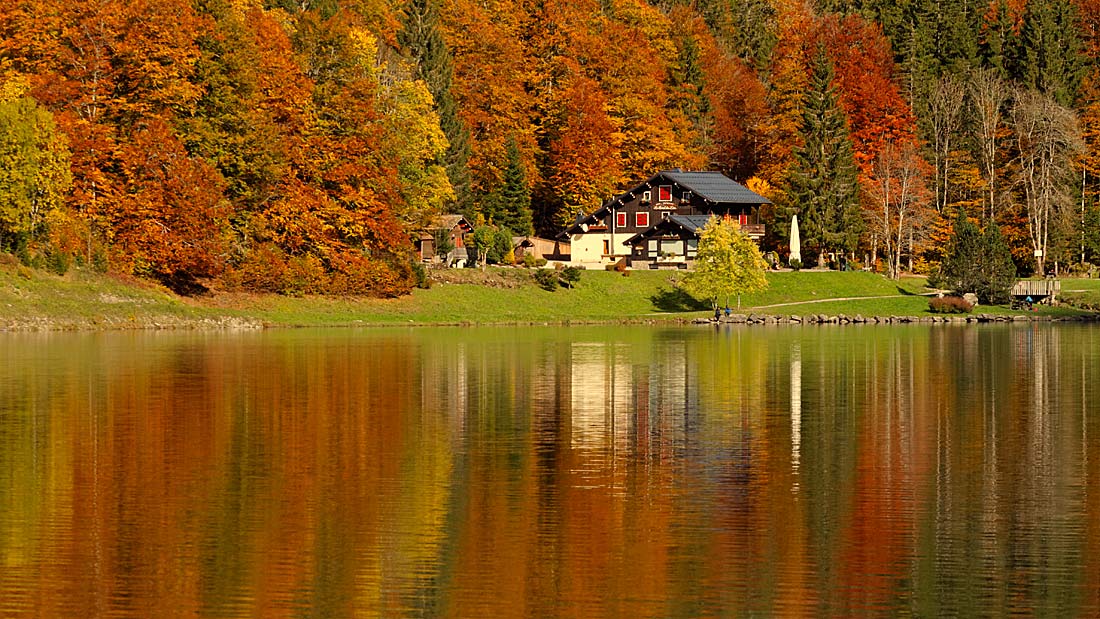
(1048, 139)
(899, 197)
(945, 107)
(34, 169)
(988, 93)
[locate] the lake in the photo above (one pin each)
(605, 471)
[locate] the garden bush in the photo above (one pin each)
(547, 279)
(949, 305)
(570, 276)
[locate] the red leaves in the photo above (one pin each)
(864, 63)
(170, 215)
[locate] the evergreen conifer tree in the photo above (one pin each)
(689, 82)
(513, 208)
(997, 269)
(422, 39)
(1050, 58)
(998, 40)
(753, 35)
(823, 188)
(978, 262)
(961, 266)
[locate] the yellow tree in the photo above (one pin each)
(729, 263)
(34, 169)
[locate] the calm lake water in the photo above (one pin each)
(552, 472)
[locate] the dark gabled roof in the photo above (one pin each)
(690, 223)
(715, 186)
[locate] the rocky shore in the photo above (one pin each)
(841, 319)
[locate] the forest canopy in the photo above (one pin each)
(298, 146)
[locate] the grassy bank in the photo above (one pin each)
(32, 299)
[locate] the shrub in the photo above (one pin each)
(58, 262)
(304, 275)
(262, 270)
(571, 275)
(530, 261)
(546, 279)
(99, 261)
(796, 264)
(949, 305)
(420, 276)
(353, 273)
(540, 262)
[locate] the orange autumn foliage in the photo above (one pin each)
(867, 85)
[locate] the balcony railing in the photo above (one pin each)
(755, 231)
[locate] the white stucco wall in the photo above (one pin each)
(587, 249)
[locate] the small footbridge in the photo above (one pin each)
(1036, 290)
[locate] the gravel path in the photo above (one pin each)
(889, 296)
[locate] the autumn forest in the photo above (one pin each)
(297, 146)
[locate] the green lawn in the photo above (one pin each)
(1083, 293)
(82, 300)
(85, 300)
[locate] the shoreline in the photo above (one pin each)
(237, 324)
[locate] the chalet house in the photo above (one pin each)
(656, 224)
(455, 227)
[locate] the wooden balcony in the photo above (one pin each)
(755, 231)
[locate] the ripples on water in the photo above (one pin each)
(591, 472)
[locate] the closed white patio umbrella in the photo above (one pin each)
(796, 243)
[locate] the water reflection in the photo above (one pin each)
(583, 472)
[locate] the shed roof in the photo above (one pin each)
(449, 222)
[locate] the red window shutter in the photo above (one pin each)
(641, 220)
(664, 193)
(620, 220)
(743, 219)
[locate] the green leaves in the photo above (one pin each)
(823, 182)
(978, 262)
(34, 168)
(728, 263)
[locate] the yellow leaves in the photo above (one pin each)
(653, 25)
(761, 186)
(363, 50)
(728, 263)
(34, 166)
(408, 112)
(12, 86)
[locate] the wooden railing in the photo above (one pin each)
(1037, 288)
(755, 231)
